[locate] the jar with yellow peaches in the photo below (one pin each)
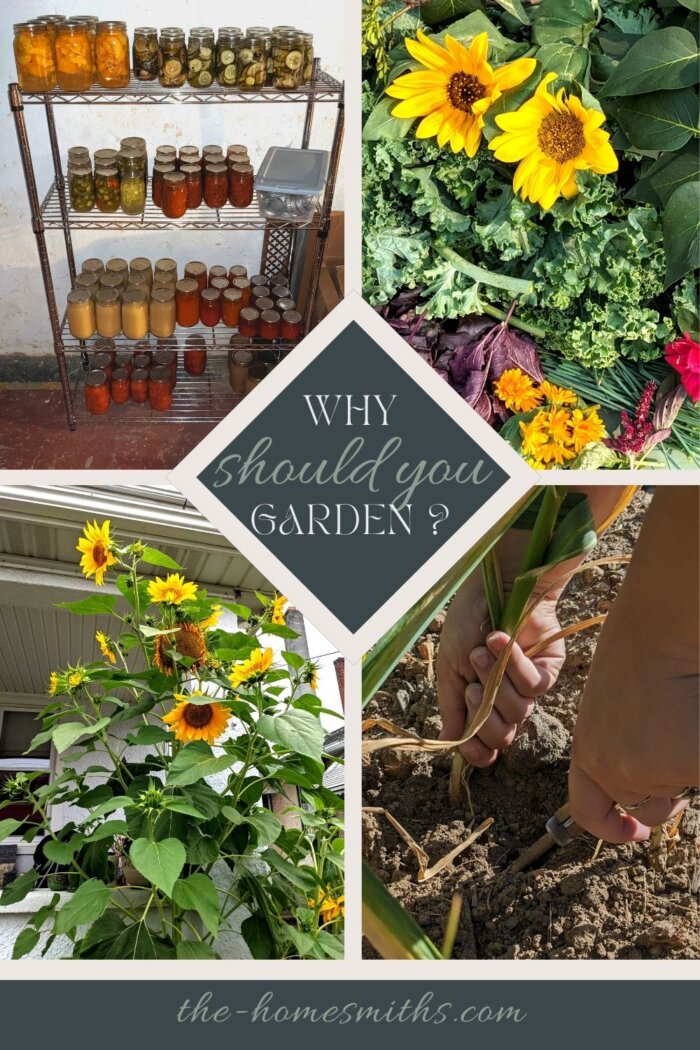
(34, 57)
(112, 55)
(91, 22)
(73, 56)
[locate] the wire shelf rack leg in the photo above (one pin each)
(60, 185)
(38, 226)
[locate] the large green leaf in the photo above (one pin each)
(139, 941)
(567, 60)
(108, 830)
(195, 950)
(63, 852)
(381, 125)
(662, 121)
(266, 824)
(25, 942)
(299, 875)
(558, 20)
(681, 224)
(87, 904)
(441, 10)
(198, 893)
(194, 762)
(8, 827)
(159, 862)
(18, 889)
(68, 733)
(95, 605)
(296, 730)
(516, 9)
(156, 557)
(662, 60)
(500, 47)
(666, 174)
(256, 933)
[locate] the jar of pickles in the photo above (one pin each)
(135, 314)
(160, 393)
(105, 158)
(172, 58)
(308, 41)
(73, 56)
(81, 189)
(210, 307)
(231, 304)
(81, 314)
(226, 55)
(193, 182)
(251, 63)
(139, 144)
(34, 57)
(287, 61)
(107, 189)
(132, 168)
(159, 170)
(201, 57)
(187, 302)
(108, 312)
(97, 396)
(266, 35)
(215, 185)
(79, 157)
(162, 312)
(174, 201)
(112, 55)
(145, 53)
(241, 185)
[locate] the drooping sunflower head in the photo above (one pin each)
(252, 669)
(552, 137)
(200, 720)
(331, 907)
(309, 675)
(95, 546)
(188, 641)
(517, 391)
(454, 90)
(277, 607)
(173, 590)
(75, 676)
(53, 683)
(106, 646)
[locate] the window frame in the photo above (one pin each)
(25, 704)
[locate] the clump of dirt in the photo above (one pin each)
(617, 902)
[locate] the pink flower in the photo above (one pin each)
(684, 355)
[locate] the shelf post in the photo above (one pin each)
(60, 185)
(17, 108)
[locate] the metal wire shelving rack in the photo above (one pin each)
(206, 398)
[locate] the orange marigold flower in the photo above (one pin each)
(586, 428)
(517, 391)
(557, 395)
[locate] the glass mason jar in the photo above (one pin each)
(102, 360)
(132, 168)
(201, 57)
(172, 58)
(241, 185)
(108, 312)
(139, 280)
(167, 155)
(134, 314)
(125, 360)
(237, 271)
(190, 155)
(187, 302)
(195, 356)
(79, 157)
(113, 281)
(266, 35)
(217, 271)
(95, 266)
(139, 144)
(145, 53)
(308, 40)
(226, 55)
(106, 158)
(91, 22)
(174, 203)
(210, 307)
(193, 182)
(290, 326)
(212, 155)
(143, 358)
(269, 325)
(120, 386)
(287, 61)
(97, 395)
(73, 56)
(251, 63)
(197, 271)
(138, 385)
(112, 55)
(120, 267)
(167, 359)
(258, 278)
(248, 321)
(142, 266)
(256, 373)
(90, 281)
(34, 57)
(231, 305)
(166, 267)
(162, 312)
(105, 346)
(260, 292)
(262, 302)
(81, 189)
(245, 288)
(215, 185)
(107, 189)
(239, 362)
(285, 304)
(81, 314)
(237, 155)
(219, 282)
(159, 170)
(160, 392)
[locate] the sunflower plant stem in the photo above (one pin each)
(535, 552)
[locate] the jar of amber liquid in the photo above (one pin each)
(120, 267)
(167, 359)
(162, 312)
(114, 281)
(34, 57)
(238, 364)
(248, 321)
(81, 314)
(120, 386)
(221, 283)
(241, 185)
(159, 171)
(195, 359)
(160, 392)
(112, 54)
(124, 360)
(89, 281)
(290, 326)
(231, 305)
(138, 385)
(167, 268)
(210, 307)
(217, 271)
(73, 56)
(95, 266)
(259, 292)
(134, 314)
(236, 271)
(187, 303)
(215, 185)
(283, 305)
(174, 201)
(108, 312)
(269, 324)
(245, 288)
(197, 271)
(263, 303)
(97, 395)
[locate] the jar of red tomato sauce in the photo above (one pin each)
(269, 324)
(240, 184)
(167, 359)
(248, 321)
(215, 185)
(197, 271)
(174, 201)
(159, 172)
(160, 392)
(124, 360)
(187, 302)
(231, 305)
(193, 182)
(97, 395)
(120, 386)
(138, 385)
(245, 288)
(210, 307)
(290, 326)
(103, 362)
(195, 357)
(219, 282)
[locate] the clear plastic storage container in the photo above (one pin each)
(290, 182)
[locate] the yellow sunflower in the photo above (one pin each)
(277, 610)
(106, 646)
(76, 677)
(188, 721)
(454, 90)
(95, 547)
(252, 669)
(188, 641)
(212, 619)
(331, 908)
(517, 391)
(53, 684)
(173, 589)
(552, 137)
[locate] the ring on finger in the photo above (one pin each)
(631, 806)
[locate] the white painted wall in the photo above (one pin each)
(25, 326)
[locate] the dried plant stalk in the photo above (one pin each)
(424, 871)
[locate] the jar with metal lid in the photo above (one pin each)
(256, 373)
(167, 359)
(219, 282)
(308, 40)
(172, 57)
(134, 313)
(34, 57)
(287, 61)
(215, 185)
(141, 265)
(193, 182)
(106, 158)
(212, 154)
(114, 281)
(245, 288)
(187, 302)
(174, 201)
(248, 322)
(166, 155)
(73, 56)
(160, 392)
(107, 189)
(190, 155)
(143, 358)
(95, 266)
(112, 55)
(201, 57)
(241, 185)
(105, 346)
(81, 189)
(231, 305)
(164, 280)
(269, 324)
(125, 359)
(138, 143)
(226, 55)
(217, 271)
(251, 63)
(132, 169)
(265, 34)
(258, 278)
(237, 155)
(120, 386)
(120, 267)
(277, 279)
(290, 326)
(97, 395)
(159, 171)
(167, 267)
(260, 292)
(239, 362)
(102, 360)
(79, 157)
(81, 314)
(138, 385)
(262, 302)
(162, 312)
(139, 280)
(90, 281)
(108, 312)
(284, 304)
(197, 271)
(145, 53)
(237, 271)
(195, 356)
(210, 307)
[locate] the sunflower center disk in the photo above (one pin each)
(198, 715)
(561, 137)
(99, 554)
(463, 90)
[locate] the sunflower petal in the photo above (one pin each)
(600, 154)
(418, 105)
(428, 57)
(514, 148)
(570, 189)
(473, 138)
(514, 73)
(479, 49)
(430, 125)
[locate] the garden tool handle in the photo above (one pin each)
(560, 831)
